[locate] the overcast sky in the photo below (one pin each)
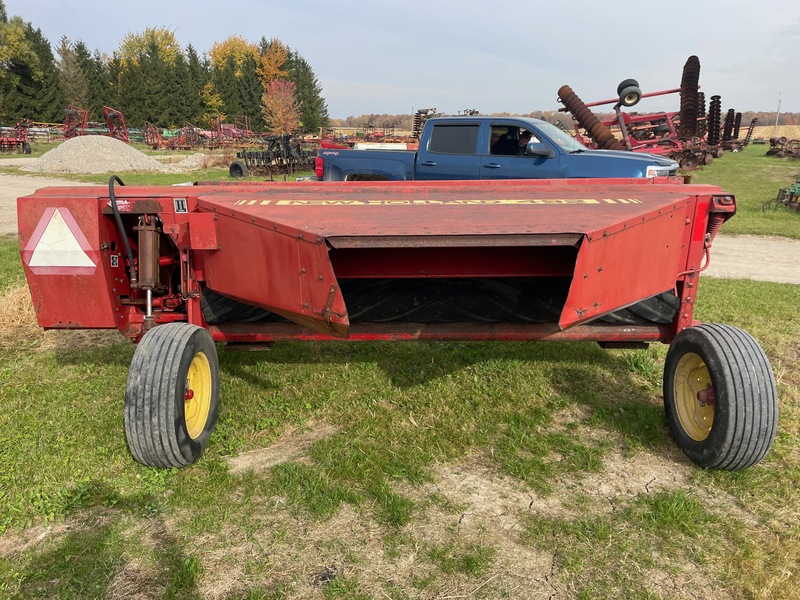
(396, 56)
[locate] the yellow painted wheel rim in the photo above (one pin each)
(197, 395)
(692, 385)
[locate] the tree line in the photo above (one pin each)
(150, 77)
(404, 121)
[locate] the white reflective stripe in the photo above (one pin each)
(58, 247)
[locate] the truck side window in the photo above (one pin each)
(454, 139)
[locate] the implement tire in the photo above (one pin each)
(238, 169)
(720, 397)
(625, 84)
(172, 395)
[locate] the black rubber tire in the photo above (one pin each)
(26, 148)
(626, 83)
(238, 169)
(155, 395)
(745, 406)
(630, 96)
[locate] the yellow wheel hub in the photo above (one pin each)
(197, 396)
(694, 396)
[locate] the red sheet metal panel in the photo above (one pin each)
(631, 237)
(278, 268)
(435, 210)
(69, 264)
(627, 262)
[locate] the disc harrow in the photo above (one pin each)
(689, 100)
(714, 113)
(601, 134)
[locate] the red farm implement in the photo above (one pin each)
(19, 141)
(687, 135)
(185, 138)
(177, 269)
(116, 124)
(75, 124)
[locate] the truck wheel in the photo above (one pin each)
(26, 148)
(238, 169)
(720, 397)
(172, 395)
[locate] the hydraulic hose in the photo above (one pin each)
(132, 267)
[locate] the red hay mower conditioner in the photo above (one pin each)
(177, 269)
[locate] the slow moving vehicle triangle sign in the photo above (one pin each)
(58, 246)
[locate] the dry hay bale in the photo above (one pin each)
(19, 328)
(94, 154)
(17, 318)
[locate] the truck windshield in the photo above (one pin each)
(567, 143)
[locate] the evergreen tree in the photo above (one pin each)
(197, 75)
(163, 90)
(226, 85)
(177, 104)
(131, 94)
(73, 81)
(250, 91)
(313, 109)
(115, 77)
(96, 71)
(34, 92)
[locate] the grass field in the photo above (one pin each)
(755, 179)
(370, 471)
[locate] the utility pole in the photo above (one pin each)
(777, 116)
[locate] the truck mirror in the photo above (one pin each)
(538, 150)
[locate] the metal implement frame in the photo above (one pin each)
(286, 246)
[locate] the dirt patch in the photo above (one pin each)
(17, 186)
(15, 542)
(291, 445)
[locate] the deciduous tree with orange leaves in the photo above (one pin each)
(280, 107)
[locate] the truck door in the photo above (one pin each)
(451, 152)
(506, 158)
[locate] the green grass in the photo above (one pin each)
(755, 179)
(473, 469)
(11, 273)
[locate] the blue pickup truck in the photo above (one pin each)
(488, 148)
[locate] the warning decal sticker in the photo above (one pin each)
(59, 247)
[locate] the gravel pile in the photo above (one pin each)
(95, 154)
(198, 160)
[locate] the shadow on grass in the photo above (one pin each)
(407, 364)
(103, 556)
